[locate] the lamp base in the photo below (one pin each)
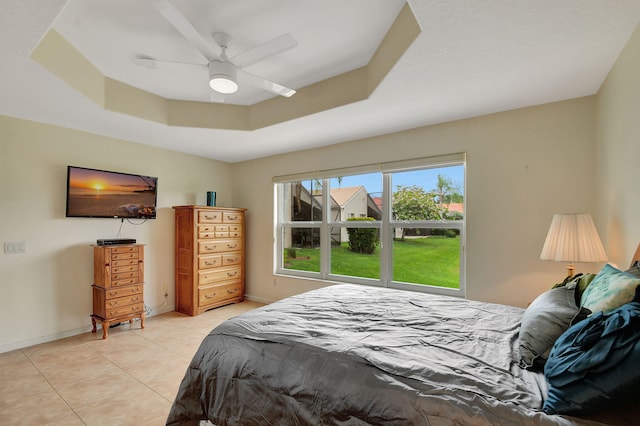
(570, 269)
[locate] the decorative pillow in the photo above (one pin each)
(548, 316)
(634, 270)
(610, 289)
(582, 281)
(594, 364)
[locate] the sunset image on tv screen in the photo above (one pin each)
(97, 193)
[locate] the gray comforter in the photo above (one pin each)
(356, 355)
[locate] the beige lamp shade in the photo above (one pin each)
(573, 238)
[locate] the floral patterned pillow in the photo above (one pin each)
(610, 289)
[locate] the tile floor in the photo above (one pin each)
(130, 378)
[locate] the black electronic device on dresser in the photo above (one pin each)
(115, 241)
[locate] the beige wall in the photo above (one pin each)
(618, 153)
(522, 166)
(46, 292)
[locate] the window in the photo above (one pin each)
(398, 224)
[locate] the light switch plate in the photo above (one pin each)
(15, 247)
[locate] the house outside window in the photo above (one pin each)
(398, 224)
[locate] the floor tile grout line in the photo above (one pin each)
(53, 387)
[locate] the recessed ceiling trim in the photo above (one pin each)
(123, 98)
(55, 54)
(66, 62)
(401, 34)
(208, 115)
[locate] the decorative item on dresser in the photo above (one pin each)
(118, 281)
(209, 257)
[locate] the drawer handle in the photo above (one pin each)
(113, 304)
(233, 217)
(232, 246)
(206, 235)
(233, 259)
(206, 262)
(210, 296)
(232, 274)
(113, 293)
(210, 247)
(232, 290)
(209, 217)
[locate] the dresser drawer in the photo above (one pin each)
(124, 301)
(213, 234)
(235, 231)
(229, 259)
(206, 231)
(209, 217)
(219, 246)
(219, 274)
(125, 255)
(209, 231)
(207, 262)
(229, 217)
(125, 269)
(124, 250)
(124, 310)
(218, 293)
(124, 262)
(124, 281)
(125, 275)
(113, 293)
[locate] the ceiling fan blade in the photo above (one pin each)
(267, 85)
(263, 51)
(184, 27)
(149, 62)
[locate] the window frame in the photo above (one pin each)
(385, 226)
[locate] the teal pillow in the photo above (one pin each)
(634, 270)
(610, 289)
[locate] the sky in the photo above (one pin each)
(426, 178)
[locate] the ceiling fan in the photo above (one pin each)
(223, 71)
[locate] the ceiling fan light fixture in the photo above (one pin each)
(222, 77)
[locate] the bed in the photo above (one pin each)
(358, 355)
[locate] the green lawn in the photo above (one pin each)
(433, 261)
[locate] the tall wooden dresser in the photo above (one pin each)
(118, 282)
(209, 257)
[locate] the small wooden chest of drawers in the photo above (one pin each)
(209, 257)
(118, 285)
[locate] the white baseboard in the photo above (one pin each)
(258, 299)
(68, 333)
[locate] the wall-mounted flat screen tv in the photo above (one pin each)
(100, 193)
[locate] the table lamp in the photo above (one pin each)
(573, 238)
